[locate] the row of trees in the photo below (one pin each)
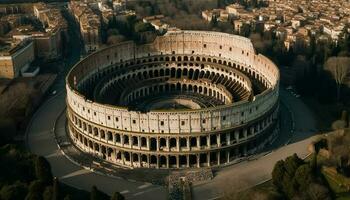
(297, 179)
(26, 176)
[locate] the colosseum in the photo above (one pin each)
(189, 99)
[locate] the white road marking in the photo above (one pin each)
(146, 185)
(124, 192)
(76, 173)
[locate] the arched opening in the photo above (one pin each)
(143, 142)
(135, 141)
(172, 142)
(183, 160)
(153, 145)
(162, 142)
(172, 161)
(162, 161)
(193, 142)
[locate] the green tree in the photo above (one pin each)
(292, 163)
(277, 174)
(43, 170)
(304, 176)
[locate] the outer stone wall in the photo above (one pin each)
(175, 138)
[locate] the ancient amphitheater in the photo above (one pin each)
(190, 99)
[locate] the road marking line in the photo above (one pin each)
(76, 173)
(55, 154)
(146, 185)
(124, 192)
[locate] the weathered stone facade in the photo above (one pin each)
(220, 67)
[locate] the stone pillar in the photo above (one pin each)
(208, 141)
(228, 139)
(245, 133)
(218, 140)
(139, 142)
(178, 144)
(198, 142)
(148, 161)
(167, 143)
(177, 161)
(139, 155)
(147, 141)
(114, 138)
(237, 136)
(123, 157)
(122, 140)
(208, 159)
(198, 161)
(187, 160)
(188, 143)
(218, 157)
(157, 139)
(131, 141)
(228, 156)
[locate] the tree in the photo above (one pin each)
(43, 170)
(67, 197)
(278, 173)
(339, 68)
(35, 190)
(13, 192)
(292, 163)
(304, 176)
(117, 196)
(55, 189)
(96, 194)
(319, 192)
(47, 195)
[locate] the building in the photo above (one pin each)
(192, 107)
(15, 57)
(89, 23)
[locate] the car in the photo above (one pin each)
(54, 92)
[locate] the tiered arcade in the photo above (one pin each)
(189, 99)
